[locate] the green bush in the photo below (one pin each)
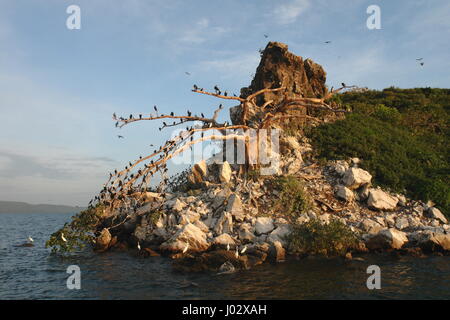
(293, 198)
(317, 238)
(78, 233)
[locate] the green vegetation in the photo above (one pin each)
(400, 134)
(293, 199)
(317, 238)
(77, 233)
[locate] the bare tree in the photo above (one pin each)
(133, 181)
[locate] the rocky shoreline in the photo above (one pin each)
(225, 219)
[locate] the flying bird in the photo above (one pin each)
(422, 63)
(328, 41)
(418, 59)
(266, 36)
(120, 137)
(187, 73)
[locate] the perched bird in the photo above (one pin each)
(63, 238)
(343, 84)
(30, 239)
(156, 109)
(139, 246)
(228, 247)
(244, 249)
(186, 248)
(195, 87)
(236, 255)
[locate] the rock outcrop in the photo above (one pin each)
(281, 68)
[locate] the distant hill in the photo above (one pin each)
(22, 207)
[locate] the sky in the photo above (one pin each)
(59, 87)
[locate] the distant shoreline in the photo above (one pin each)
(14, 207)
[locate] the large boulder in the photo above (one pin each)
(264, 225)
(387, 239)
(370, 226)
(223, 240)
(188, 234)
(435, 213)
(103, 241)
(224, 224)
(234, 206)
(280, 234)
(431, 241)
(225, 172)
(276, 252)
(198, 172)
(380, 200)
(344, 193)
(355, 178)
(246, 233)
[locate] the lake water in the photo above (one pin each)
(33, 273)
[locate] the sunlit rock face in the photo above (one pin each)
(280, 68)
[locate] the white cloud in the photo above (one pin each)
(289, 12)
(236, 66)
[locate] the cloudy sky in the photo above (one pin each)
(59, 87)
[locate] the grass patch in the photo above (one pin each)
(402, 137)
(293, 198)
(316, 238)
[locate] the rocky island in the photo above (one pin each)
(222, 216)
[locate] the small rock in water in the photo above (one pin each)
(227, 268)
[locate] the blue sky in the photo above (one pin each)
(59, 87)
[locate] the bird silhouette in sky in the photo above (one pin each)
(327, 41)
(418, 59)
(266, 36)
(120, 137)
(187, 73)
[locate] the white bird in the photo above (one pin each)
(62, 237)
(139, 246)
(186, 248)
(30, 239)
(228, 247)
(244, 249)
(236, 254)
